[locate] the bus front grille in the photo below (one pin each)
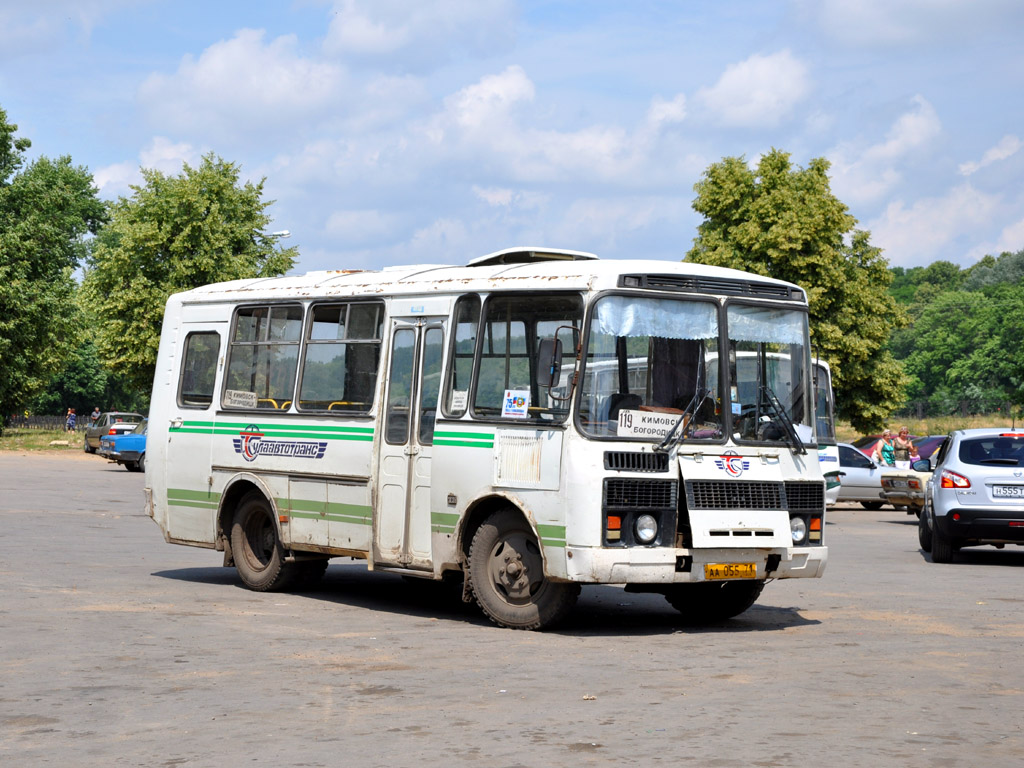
(632, 461)
(639, 494)
(732, 494)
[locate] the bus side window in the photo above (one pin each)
(460, 364)
(263, 356)
(341, 357)
(198, 369)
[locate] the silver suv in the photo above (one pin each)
(976, 494)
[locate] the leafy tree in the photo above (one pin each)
(80, 384)
(1008, 268)
(784, 222)
(172, 234)
(46, 212)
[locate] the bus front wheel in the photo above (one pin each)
(506, 573)
(710, 601)
(256, 547)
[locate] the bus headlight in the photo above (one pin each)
(798, 528)
(646, 529)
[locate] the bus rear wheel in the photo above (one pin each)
(711, 601)
(506, 573)
(256, 547)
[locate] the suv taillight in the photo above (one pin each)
(952, 480)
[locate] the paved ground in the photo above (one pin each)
(119, 649)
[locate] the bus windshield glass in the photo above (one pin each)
(646, 369)
(769, 378)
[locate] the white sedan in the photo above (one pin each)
(862, 478)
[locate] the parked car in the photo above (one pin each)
(927, 446)
(861, 478)
(976, 493)
(905, 487)
(127, 448)
(110, 423)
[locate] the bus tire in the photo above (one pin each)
(506, 573)
(256, 547)
(873, 506)
(711, 601)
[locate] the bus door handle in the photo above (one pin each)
(176, 422)
(411, 450)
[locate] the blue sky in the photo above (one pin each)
(395, 132)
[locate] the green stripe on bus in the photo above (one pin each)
(464, 439)
(443, 522)
(319, 510)
(184, 493)
(462, 443)
(552, 535)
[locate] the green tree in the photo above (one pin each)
(783, 221)
(47, 211)
(172, 234)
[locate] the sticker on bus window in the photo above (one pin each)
(236, 398)
(516, 404)
(459, 400)
(644, 424)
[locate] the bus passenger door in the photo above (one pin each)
(402, 521)
(180, 440)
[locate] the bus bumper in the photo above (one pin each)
(658, 565)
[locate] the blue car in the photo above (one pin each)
(128, 448)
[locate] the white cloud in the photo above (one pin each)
(360, 227)
(1007, 146)
(491, 99)
(500, 197)
(918, 234)
(663, 112)
(759, 91)
(607, 221)
(35, 28)
(162, 155)
(396, 33)
(902, 22)
(240, 80)
(861, 175)
(1010, 239)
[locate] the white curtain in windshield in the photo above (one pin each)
(665, 318)
(782, 326)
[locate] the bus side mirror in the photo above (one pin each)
(549, 362)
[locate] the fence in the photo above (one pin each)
(43, 422)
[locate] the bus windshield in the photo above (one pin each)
(768, 374)
(647, 362)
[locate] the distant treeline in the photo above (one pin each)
(964, 347)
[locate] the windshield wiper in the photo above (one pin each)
(784, 420)
(690, 410)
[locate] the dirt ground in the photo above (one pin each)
(120, 649)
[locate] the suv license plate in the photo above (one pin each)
(1008, 491)
(715, 571)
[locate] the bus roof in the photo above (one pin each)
(510, 269)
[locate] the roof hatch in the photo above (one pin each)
(529, 256)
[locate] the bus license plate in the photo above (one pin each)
(1008, 491)
(714, 571)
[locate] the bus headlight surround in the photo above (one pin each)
(798, 527)
(646, 529)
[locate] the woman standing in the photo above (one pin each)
(883, 452)
(903, 449)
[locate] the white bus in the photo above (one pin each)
(440, 420)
